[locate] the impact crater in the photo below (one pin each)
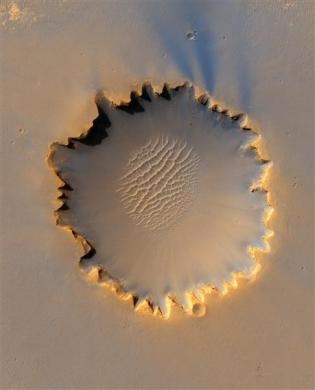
(166, 194)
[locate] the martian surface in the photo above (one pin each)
(157, 194)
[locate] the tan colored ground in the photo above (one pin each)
(59, 332)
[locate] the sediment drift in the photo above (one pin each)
(165, 193)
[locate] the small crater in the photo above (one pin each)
(199, 309)
(192, 35)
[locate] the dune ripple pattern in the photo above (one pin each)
(159, 183)
(166, 194)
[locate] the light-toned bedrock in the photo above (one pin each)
(166, 195)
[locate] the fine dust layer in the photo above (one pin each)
(165, 193)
